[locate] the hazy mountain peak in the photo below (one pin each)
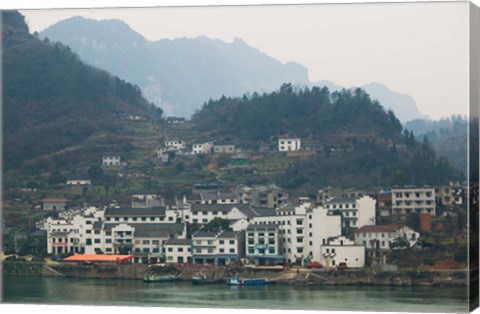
(180, 74)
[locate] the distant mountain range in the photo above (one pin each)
(180, 75)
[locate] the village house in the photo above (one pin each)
(175, 144)
(450, 195)
(342, 250)
(146, 200)
(289, 144)
(79, 182)
(54, 204)
(386, 237)
(111, 161)
(355, 211)
(413, 200)
(270, 196)
(224, 148)
(203, 148)
(175, 120)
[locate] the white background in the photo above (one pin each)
(30, 4)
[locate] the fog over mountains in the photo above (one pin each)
(179, 75)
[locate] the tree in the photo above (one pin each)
(56, 177)
(217, 225)
(95, 173)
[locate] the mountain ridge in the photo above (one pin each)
(182, 85)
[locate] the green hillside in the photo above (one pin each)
(354, 140)
(54, 103)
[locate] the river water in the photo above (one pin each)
(74, 291)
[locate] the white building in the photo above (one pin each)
(413, 200)
(54, 204)
(224, 148)
(384, 236)
(203, 148)
(176, 144)
(111, 161)
(262, 244)
(303, 230)
(79, 182)
(218, 248)
(355, 211)
(289, 144)
(178, 251)
(342, 250)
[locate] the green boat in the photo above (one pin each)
(158, 278)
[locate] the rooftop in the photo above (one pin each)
(262, 227)
(155, 211)
(379, 228)
(342, 200)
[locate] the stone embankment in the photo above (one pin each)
(288, 276)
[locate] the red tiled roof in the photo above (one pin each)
(98, 258)
(379, 228)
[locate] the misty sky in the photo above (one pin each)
(420, 49)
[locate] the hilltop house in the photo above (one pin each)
(58, 204)
(224, 148)
(108, 161)
(289, 144)
(202, 148)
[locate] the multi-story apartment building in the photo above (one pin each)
(263, 244)
(385, 203)
(355, 211)
(413, 200)
(218, 248)
(303, 230)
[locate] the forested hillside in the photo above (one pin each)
(53, 101)
(356, 141)
(448, 135)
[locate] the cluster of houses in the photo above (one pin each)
(170, 148)
(265, 226)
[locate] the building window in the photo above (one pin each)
(170, 249)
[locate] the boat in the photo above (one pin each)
(202, 280)
(157, 278)
(237, 281)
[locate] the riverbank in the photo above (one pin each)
(285, 276)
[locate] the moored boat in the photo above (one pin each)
(159, 278)
(237, 281)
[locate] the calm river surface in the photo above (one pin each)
(35, 290)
